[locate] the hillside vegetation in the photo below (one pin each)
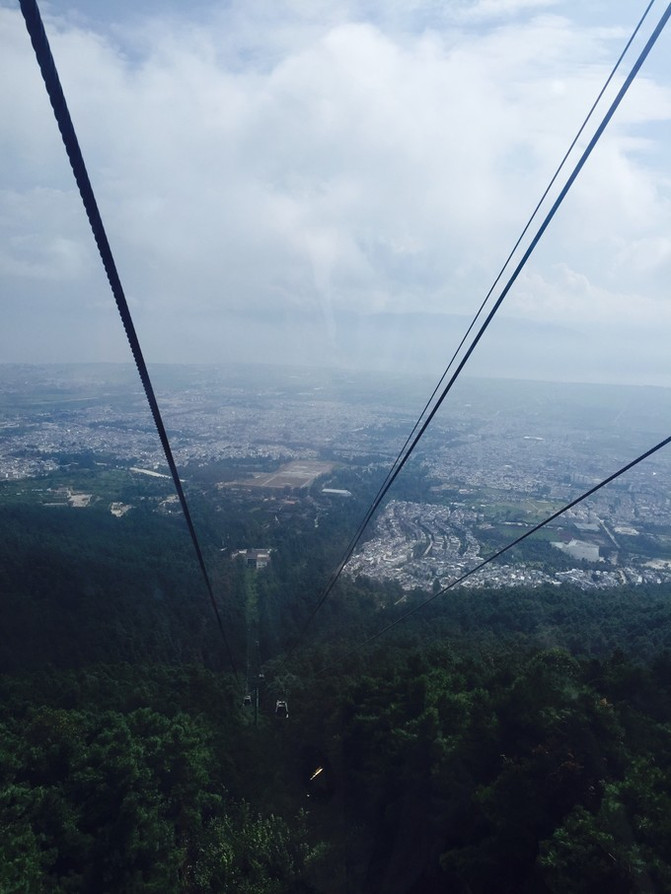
(499, 741)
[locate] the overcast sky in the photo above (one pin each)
(337, 183)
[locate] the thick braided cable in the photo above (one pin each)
(52, 83)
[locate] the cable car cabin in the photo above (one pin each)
(281, 709)
(247, 701)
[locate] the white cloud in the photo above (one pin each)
(274, 160)
(488, 10)
(567, 296)
(59, 251)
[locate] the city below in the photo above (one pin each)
(299, 445)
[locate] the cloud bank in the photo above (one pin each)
(274, 183)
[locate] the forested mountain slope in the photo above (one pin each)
(498, 741)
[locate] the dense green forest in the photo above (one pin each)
(497, 741)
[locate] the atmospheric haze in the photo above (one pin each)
(338, 184)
